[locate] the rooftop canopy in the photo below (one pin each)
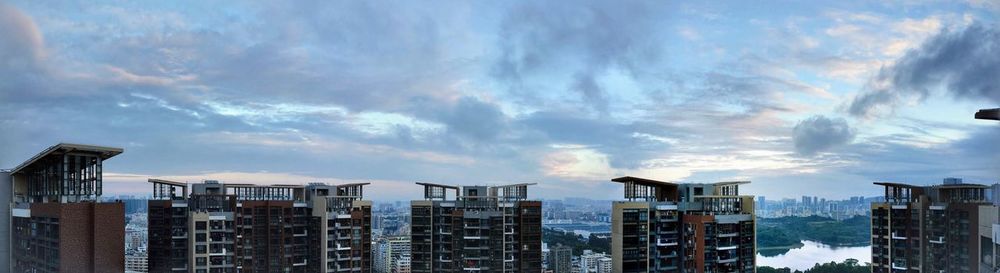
(648, 189)
(61, 149)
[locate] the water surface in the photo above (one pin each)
(812, 253)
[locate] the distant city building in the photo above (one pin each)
(942, 228)
(591, 262)
(560, 258)
(134, 205)
(135, 240)
(813, 206)
(402, 264)
(484, 229)
(668, 227)
(389, 251)
(136, 263)
(55, 220)
(994, 194)
(952, 181)
(250, 228)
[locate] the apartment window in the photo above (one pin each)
(200, 225)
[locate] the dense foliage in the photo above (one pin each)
(577, 242)
(778, 232)
(848, 266)
(775, 237)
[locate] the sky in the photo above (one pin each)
(799, 97)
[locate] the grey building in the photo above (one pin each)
(560, 259)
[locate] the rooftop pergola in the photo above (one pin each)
(67, 172)
(647, 189)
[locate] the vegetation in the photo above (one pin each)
(774, 237)
(785, 232)
(848, 266)
(578, 243)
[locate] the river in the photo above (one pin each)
(812, 253)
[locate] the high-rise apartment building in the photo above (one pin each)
(251, 228)
(560, 259)
(483, 229)
(56, 220)
(669, 227)
(942, 228)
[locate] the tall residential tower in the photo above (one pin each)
(669, 227)
(482, 229)
(57, 221)
(251, 228)
(942, 228)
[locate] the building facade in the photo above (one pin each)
(483, 229)
(250, 228)
(669, 227)
(560, 259)
(136, 264)
(591, 262)
(942, 228)
(57, 220)
(389, 254)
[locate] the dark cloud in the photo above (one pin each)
(543, 41)
(963, 62)
(476, 119)
(819, 133)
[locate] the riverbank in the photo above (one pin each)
(788, 247)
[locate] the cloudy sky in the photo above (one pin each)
(800, 99)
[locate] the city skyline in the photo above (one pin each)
(796, 97)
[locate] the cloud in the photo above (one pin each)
(475, 119)
(21, 52)
(819, 133)
(964, 63)
(541, 43)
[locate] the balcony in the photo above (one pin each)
(729, 247)
(666, 242)
(899, 265)
(726, 261)
(730, 234)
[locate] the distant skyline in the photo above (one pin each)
(802, 98)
